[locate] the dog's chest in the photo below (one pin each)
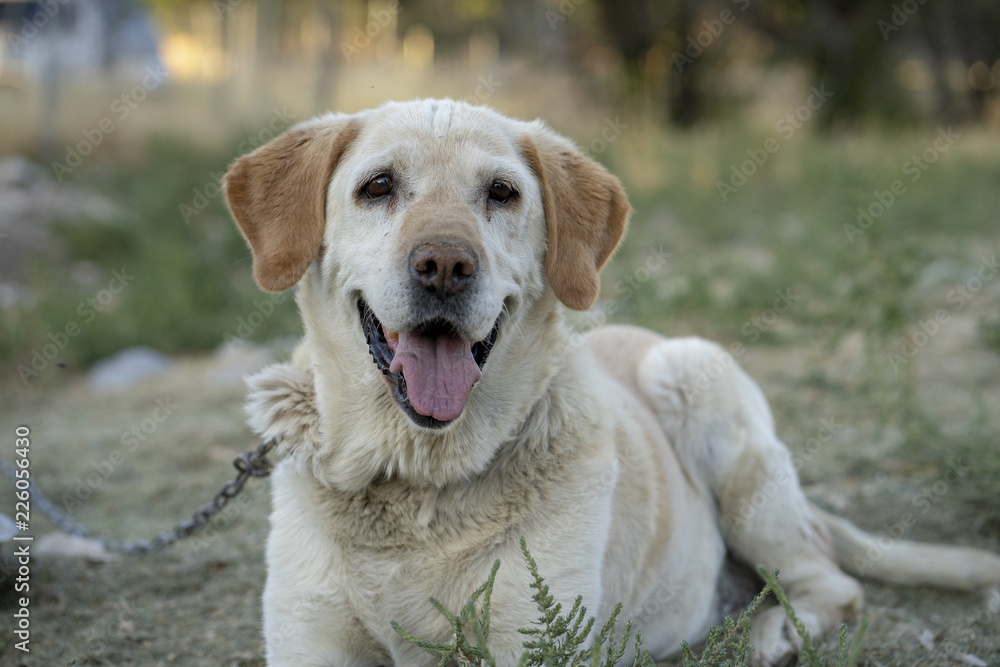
(394, 515)
(396, 545)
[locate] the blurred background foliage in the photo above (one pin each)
(123, 115)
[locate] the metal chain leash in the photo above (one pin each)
(249, 464)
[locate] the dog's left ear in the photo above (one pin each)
(586, 210)
(277, 195)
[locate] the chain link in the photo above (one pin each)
(249, 464)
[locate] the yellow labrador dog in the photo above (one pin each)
(438, 408)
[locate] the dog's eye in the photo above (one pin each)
(500, 191)
(379, 186)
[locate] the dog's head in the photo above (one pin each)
(430, 228)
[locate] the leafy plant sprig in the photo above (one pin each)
(561, 640)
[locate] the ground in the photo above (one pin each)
(877, 351)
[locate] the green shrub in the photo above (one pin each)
(556, 639)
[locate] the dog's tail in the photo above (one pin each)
(889, 558)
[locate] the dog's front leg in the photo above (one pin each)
(308, 618)
(314, 632)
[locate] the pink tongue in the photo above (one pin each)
(439, 372)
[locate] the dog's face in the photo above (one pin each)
(434, 229)
(431, 227)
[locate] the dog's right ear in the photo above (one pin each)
(277, 195)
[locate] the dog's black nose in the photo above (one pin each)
(445, 268)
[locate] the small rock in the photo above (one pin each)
(926, 639)
(993, 600)
(124, 369)
(19, 172)
(69, 546)
(8, 529)
(970, 659)
(234, 361)
(16, 295)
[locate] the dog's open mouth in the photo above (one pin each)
(432, 368)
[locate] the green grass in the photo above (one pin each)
(791, 215)
(187, 268)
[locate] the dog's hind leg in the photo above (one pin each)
(723, 432)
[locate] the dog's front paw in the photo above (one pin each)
(774, 639)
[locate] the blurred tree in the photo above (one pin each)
(854, 47)
(634, 28)
(858, 49)
(839, 43)
(327, 60)
(962, 34)
(898, 60)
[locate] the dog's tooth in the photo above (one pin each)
(391, 335)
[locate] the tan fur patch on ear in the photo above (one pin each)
(277, 195)
(586, 210)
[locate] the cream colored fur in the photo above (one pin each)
(628, 478)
